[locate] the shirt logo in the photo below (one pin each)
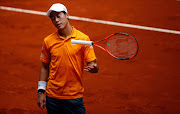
(42, 55)
(91, 47)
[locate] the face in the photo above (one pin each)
(59, 19)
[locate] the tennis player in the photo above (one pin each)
(62, 66)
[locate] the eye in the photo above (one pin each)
(52, 18)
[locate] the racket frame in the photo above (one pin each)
(105, 45)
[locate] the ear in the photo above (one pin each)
(67, 15)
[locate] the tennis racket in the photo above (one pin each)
(121, 46)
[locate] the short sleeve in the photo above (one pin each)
(45, 54)
(89, 54)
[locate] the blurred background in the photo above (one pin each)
(147, 84)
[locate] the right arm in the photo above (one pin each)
(44, 74)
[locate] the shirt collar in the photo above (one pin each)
(73, 34)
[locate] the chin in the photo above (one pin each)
(60, 28)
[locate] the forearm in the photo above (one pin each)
(44, 72)
(43, 77)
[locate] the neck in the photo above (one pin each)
(66, 31)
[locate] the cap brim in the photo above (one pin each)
(49, 12)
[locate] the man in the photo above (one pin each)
(62, 66)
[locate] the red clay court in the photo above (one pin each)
(147, 84)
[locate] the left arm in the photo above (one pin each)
(92, 67)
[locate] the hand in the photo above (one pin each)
(41, 100)
(92, 67)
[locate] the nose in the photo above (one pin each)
(56, 19)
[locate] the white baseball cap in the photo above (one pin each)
(56, 7)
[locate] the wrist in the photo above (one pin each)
(41, 87)
(41, 91)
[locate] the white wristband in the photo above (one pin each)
(42, 85)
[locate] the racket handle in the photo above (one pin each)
(73, 41)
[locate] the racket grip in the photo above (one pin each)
(73, 41)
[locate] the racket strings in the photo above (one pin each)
(121, 46)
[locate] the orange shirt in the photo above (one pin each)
(66, 64)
